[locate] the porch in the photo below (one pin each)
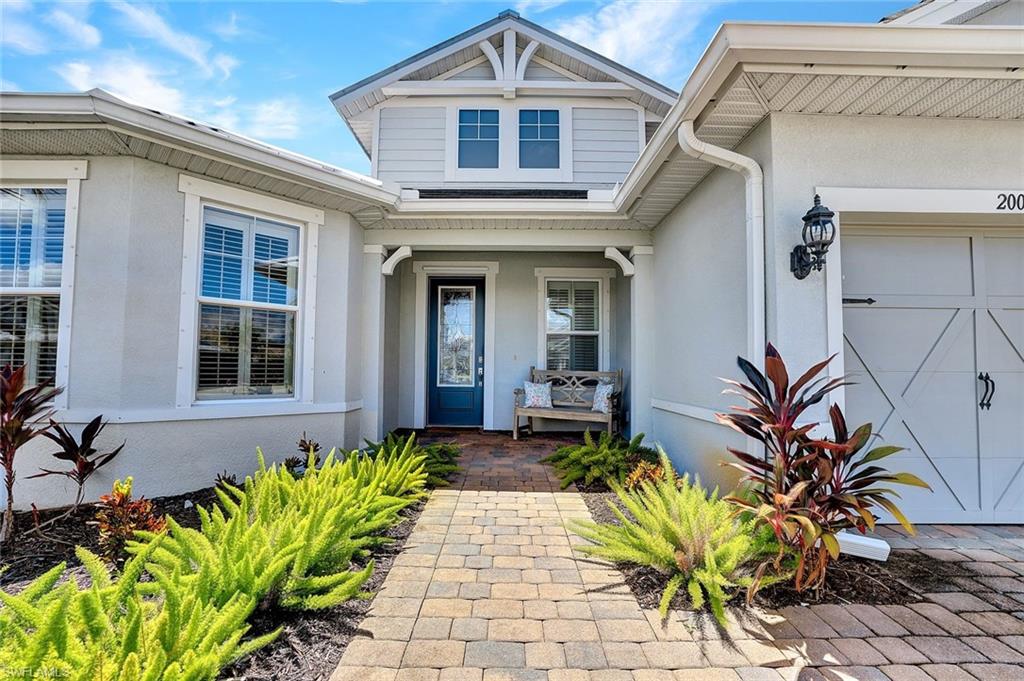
(450, 332)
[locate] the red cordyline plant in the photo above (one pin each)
(84, 457)
(22, 412)
(805, 488)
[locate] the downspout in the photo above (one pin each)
(754, 177)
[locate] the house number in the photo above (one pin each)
(1010, 202)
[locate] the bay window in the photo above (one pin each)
(248, 301)
(32, 222)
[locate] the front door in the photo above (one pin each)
(455, 381)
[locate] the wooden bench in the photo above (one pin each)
(572, 398)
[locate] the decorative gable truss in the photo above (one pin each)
(508, 57)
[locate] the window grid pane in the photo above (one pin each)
(573, 325)
(478, 138)
(247, 351)
(538, 138)
(32, 237)
(28, 335)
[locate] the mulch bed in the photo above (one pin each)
(312, 642)
(903, 579)
(29, 555)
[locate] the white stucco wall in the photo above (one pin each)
(516, 331)
(700, 282)
(124, 344)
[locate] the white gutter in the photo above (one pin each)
(751, 172)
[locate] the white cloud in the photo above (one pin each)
(526, 7)
(126, 78)
(646, 36)
(9, 86)
(79, 32)
(229, 29)
(273, 119)
(145, 21)
(18, 34)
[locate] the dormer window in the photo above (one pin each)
(538, 138)
(478, 138)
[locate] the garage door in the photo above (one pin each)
(934, 338)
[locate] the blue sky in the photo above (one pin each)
(265, 69)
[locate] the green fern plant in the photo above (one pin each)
(440, 459)
(608, 460)
(687, 534)
(110, 631)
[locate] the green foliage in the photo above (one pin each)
(440, 458)
(677, 528)
(110, 631)
(120, 517)
(807, 489)
(179, 608)
(609, 460)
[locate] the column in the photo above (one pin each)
(371, 422)
(641, 349)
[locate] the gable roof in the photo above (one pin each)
(458, 50)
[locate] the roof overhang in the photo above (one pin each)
(747, 72)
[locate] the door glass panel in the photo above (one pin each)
(455, 329)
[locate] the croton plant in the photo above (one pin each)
(807, 488)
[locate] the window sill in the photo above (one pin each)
(215, 409)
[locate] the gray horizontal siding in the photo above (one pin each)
(539, 72)
(410, 146)
(605, 144)
(482, 71)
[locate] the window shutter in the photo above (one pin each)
(558, 352)
(52, 239)
(270, 369)
(220, 329)
(584, 306)
(270, 272)
(584, 353)
(559, 312)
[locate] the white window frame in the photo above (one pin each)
(603, 277)
(508, 169)
(68, 175)
(199, 194)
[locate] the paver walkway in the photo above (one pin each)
(490, 589)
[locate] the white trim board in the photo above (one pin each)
(423, 270)
(692, 411)
(603, 277)
(903, 200)
(210, 410)
(69, 175)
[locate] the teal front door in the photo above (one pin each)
(456, 369)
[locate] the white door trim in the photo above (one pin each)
(423, 271)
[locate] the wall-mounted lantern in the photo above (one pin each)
(818, 234)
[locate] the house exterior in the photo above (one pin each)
(532, 203)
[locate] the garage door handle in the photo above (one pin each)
(859, 301)
(990, 389)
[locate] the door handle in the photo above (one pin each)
(992, 391)
(986, 402)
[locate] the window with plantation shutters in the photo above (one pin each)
(247, 307)
(31, 263)
(573, 324)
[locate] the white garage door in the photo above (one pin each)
(934, 338)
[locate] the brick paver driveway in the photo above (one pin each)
(489, 589)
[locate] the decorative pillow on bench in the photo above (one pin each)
(603, 398)
(538, 395)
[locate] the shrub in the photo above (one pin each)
(440, 458)
(608, 460)
(688, 535)
(807, 489)
(292, 540)
(84, 457)
(225, 480)
(110, 631)
(21, 410)
(120, 517)
(644, 472)
(308, 446)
